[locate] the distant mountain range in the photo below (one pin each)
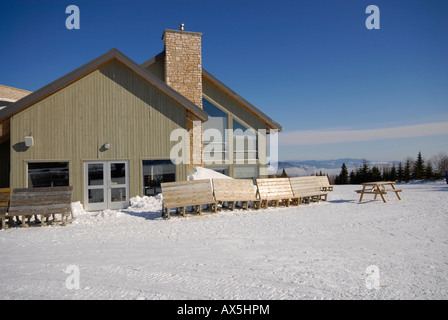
(330, 167)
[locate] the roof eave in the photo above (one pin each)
(90, 67)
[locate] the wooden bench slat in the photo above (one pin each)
(371, 192)
(30, 213)
(62, 197)
(43, 189)
(180, 191)
(39, 207)
(187, 202)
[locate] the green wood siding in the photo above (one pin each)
(157, 69)
(110, 105)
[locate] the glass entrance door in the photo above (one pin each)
(118, 188)
(106, 185)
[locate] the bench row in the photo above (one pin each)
(231, 192)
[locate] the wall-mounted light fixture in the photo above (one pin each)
(29, 141)
(107, 146)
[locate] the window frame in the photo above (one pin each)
(225, 158)
(246, 152)
(168, 162)
(247, 165)
(27, 170)
(229, 148)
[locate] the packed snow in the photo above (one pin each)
(325, 250)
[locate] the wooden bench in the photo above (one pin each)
(182, 194)
(307, 189)
(5, 194)
(232, 191)
(46, 202)
(273, 190)
(324, 183)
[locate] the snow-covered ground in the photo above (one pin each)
(317, 251)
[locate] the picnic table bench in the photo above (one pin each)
(378, 188)
(182, 194)
(43, 202)
(307, 189)
(232, 191)
(273, 190)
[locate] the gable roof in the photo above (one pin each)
(91, 66)
(271, 123)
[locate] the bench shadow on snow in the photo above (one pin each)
(364, 201)
(438, 188)
(341, 201)
(147, 215)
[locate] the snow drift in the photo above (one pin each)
(198, 173)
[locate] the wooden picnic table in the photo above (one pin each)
(378, 188)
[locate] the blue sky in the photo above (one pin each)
(337, 88)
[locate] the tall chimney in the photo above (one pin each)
(183, 63)
(183, 73)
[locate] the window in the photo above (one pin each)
(245, 143)
(48, 174)
(214, 135)
(220, 169)
(154, 173)
(245, 172)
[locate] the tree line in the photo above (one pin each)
(410, 169)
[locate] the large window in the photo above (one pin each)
(245, 172)
(220, 169)
(154, 173)
(48, 174)
(245, 144)
(214, 135)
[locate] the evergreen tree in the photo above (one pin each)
(407, 171)
(418, 172)
(375, 174)
(342, 178)
(363, 174)
(400, 172)
(386, 174)
(429, 172)
(283, 175)
(393, 176)
(353, 178)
